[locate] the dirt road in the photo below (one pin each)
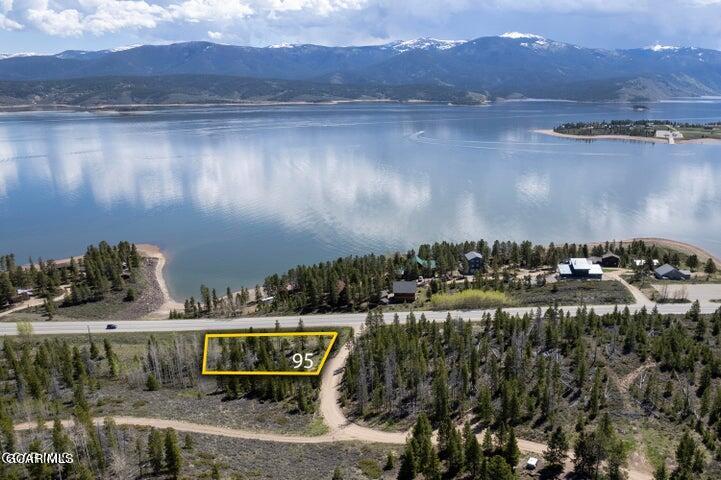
(33, 302)
(340, 428)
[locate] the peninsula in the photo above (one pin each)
(652, 131)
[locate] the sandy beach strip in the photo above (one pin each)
(153, 251)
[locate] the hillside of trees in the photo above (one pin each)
(591, 376)
(357, 283)
(97, 92)
(103, 268)
(62, 378)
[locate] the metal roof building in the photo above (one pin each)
(580, 268)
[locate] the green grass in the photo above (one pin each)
(316, 428)
(370, 468)
(470, 299)
(693, 133)
(657, 445)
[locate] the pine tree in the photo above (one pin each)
(710, 267)
(556, 453)
(473, 456)
(660, 473)
(498, 469)
(594, 403)
(511, 452)
(485, 407)
(454, 452)
(407, 470)
(173, 459)
(686, 454)
(50, 307)
(390, 461)
(155, 450)
(488, 441)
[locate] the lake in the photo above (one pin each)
(234, 194)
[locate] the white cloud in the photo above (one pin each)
(261, 22)
(320, 7)
(77, 17)
(8, 24)
(63, 23)
(97, 17)
(210, 10)
(215, 35)
(111, 15)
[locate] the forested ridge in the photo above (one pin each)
(548, 374)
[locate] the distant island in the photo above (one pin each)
(655, 131)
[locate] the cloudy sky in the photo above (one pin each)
(48, 26)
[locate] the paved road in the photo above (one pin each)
(336, 320)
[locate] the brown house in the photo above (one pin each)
(610, 260)
(404, 291)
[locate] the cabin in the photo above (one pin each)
(427, 264)
(669, 272)
(404, 291)
(21, 295)
(475, 262)
(580, 269)
(610, 260)
(532, 463)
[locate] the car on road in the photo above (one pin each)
(111, 326)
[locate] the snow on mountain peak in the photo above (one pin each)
(424, 43)
(517, 35)
(3, 56)
(662, 48)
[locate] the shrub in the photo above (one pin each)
(152, 383)
(130, 295)
(370, 468)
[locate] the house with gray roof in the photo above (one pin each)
(669, 272)
(475, 262)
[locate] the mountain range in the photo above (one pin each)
(512, 65)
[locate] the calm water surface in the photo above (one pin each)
(235, 194)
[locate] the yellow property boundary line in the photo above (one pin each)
(208, 336)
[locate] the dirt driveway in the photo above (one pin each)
(703, 292)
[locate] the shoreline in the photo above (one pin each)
(162, 312)
(169, 303)
(137, 107)
(628, 138)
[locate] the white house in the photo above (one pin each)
(670, 135)
(580, 268)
